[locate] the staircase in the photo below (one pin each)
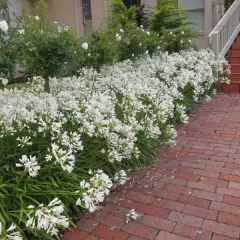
(224, 40)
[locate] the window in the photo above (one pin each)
(87, 16)
(129, 3)
(196, 11)
(87, 11)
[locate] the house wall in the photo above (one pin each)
(69, 13)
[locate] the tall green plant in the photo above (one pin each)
(8, 53)
(121, 14)
(167, 16)
(46, 49)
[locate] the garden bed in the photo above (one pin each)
(63, 152)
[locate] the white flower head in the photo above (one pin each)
(37, 18)
(182, 32)
(30, 164)
(131, 215)
(4, 26)
(21, 31)
(48, 218)
(148, 33)
(118, 37)
(85, 46)
(4, 81)
(120, 177)
(121, 30)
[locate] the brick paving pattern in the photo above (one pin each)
(191, 192)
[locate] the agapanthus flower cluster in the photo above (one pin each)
(94, 191)
(48, 218)
(11, 233)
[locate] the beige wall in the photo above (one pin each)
(62, 11)
(69, 13)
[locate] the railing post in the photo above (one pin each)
(216, 44)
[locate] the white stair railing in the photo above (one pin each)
(223, 35)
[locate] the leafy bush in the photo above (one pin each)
(134, 42)
(167, 16)
(46, 49)
(65, 151)
(8, 53)
(121, 14)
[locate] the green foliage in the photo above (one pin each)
(8, 56)
(102, 49)
(136, 42)
(8, 53)
(167, 16)
(121, 15)
(227, 4)
(46, 48)
(178, 40)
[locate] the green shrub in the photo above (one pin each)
(167, 16)
(46, 49)
(135, 41)
(8, 53)
(121, 15)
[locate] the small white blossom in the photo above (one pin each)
(118, 37)
(48, 218)
(4, 26)
(37, 18)
(131, 215)
(85, 46)
(30, 164)
(4, 81)
(21, 31)
(120, 177)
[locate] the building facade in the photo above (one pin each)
(87, 15)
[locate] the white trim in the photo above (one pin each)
(230, 41)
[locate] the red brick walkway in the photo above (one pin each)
(191, 192)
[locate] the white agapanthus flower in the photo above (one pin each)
(30, 164)
(10, 233)
(148, 33)
(65, 158)
(85, 46)
(24, 141)
(4, 26)
(120, 177)
(131, 215)
(37, 18)
(47, 218)
(94, 191)
(21, 31)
